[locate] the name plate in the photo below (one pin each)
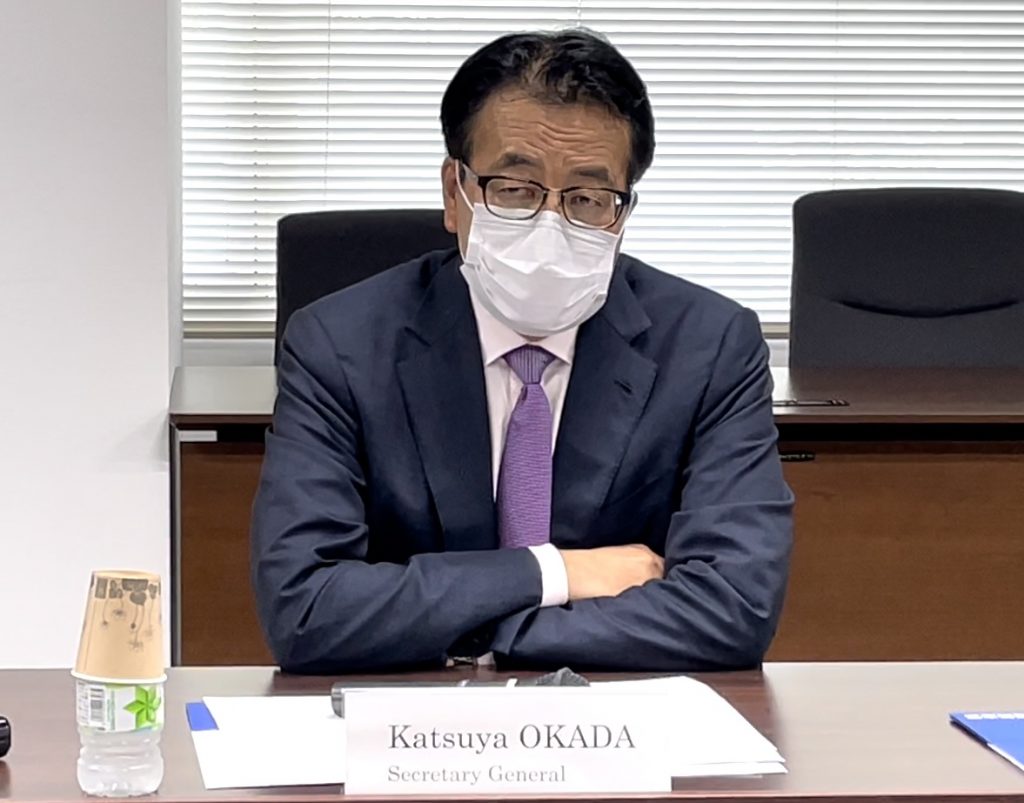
(503, 740)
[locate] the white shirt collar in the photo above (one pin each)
(497, 340)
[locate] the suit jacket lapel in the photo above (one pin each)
(607, 394)
(442, 378)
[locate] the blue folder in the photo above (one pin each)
(199, 717)
(1003, 733)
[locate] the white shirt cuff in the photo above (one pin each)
(554, 580)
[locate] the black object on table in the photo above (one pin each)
(563, 677)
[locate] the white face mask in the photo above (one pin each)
(539, 276)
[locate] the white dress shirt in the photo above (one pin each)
(503, 388)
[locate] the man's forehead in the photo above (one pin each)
(515, 131)
(583, 165)
(512, 106)
(511, 157)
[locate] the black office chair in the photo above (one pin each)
(321, 252)
(908, 277)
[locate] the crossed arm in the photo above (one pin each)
(711, 601)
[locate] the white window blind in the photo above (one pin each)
(296, 106)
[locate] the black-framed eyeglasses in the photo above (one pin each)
(522, 199)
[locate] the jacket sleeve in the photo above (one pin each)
(323, 607)
(726, 552)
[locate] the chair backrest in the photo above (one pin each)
(908, 277)
(321, 252)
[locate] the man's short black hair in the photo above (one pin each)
(570, 66)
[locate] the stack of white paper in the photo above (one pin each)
(707, 736)
(298, 741)
(271, 741)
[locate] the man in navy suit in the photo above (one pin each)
(532, 449)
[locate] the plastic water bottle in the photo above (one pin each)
(120, 764)
(120, 727)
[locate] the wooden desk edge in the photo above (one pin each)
(201, 420)
(759, 796)
(853, 417)
(244, 396)
(185, 421)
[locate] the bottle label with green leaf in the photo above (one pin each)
(115, 708)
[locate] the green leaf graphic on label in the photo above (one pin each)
(145, 707)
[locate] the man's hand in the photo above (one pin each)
(608, 571)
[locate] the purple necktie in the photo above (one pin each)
(524, 481)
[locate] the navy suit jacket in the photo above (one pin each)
(375, 541)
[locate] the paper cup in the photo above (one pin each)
(122, 635)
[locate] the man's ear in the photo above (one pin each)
(450, 192)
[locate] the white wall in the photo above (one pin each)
(86, 290)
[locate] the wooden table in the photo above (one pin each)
(910, 515)
(849, 732)
(909, 522)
